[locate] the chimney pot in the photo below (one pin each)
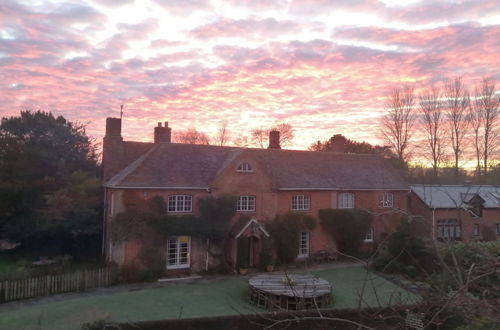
(337, 143)
(274, 140)
(113, 127)
(162, 134)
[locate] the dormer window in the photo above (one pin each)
(244, 167)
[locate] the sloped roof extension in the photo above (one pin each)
(456, 196)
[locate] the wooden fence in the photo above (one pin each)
(52, 284)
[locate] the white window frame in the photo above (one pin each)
(449, 229)
(369, 236)
(244, 167)
(178, 252)
(386, 200)
(475, 229)
(346, 201)
(246, 204)
(304, 240)
(301, 202)
(180, 203)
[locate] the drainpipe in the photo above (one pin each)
(104, 227)
(434, 224)
(206, 258)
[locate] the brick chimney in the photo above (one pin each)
(337, 143)
(274, 140)
(112, 148)
(162, 134)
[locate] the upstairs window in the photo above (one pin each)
(301, 202)
(180, 203)
(246, 203)
(346, 201)
(244, 167)
(386, 200)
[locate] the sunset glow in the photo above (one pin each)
(323, 66)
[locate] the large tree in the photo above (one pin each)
(485, 117)
(432, 119)
(397, 124)
(456, 107)
(49, 187)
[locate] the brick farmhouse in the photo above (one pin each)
(266, 182)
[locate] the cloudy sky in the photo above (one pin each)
(324, 66)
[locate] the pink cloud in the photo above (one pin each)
(320, 86)
(245, 28)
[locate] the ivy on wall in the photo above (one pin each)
(150, 224)
(285, 231)
(347, 227)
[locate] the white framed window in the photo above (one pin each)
(449, 229)
(386, 200)
(178, 250)
(246, 203)
(304, 244)
(346, 201)
(180, 203)
(497, 228)
(244, 167)
(301, 202)
(475, 229)
(369, 236)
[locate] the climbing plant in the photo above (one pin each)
(347, 227)
(285, 230)
(151, 224)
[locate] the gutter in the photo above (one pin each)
(153, 188)
(342, 189)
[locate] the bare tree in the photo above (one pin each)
(191, 136)
(223, 134)
(397, 124)
(432, 118)
(241, 141)
(457, 102)
(484, 116)
(286, 133)
(260, 137)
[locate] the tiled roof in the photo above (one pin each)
(456, 196)
(196, 166)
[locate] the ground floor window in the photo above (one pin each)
(476, 229)
(497, 226)
(304, 244)
(449, 229)
(369, 236)
(178, 252)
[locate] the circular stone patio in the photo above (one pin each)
(289, 291)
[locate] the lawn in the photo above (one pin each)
(207, 297)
